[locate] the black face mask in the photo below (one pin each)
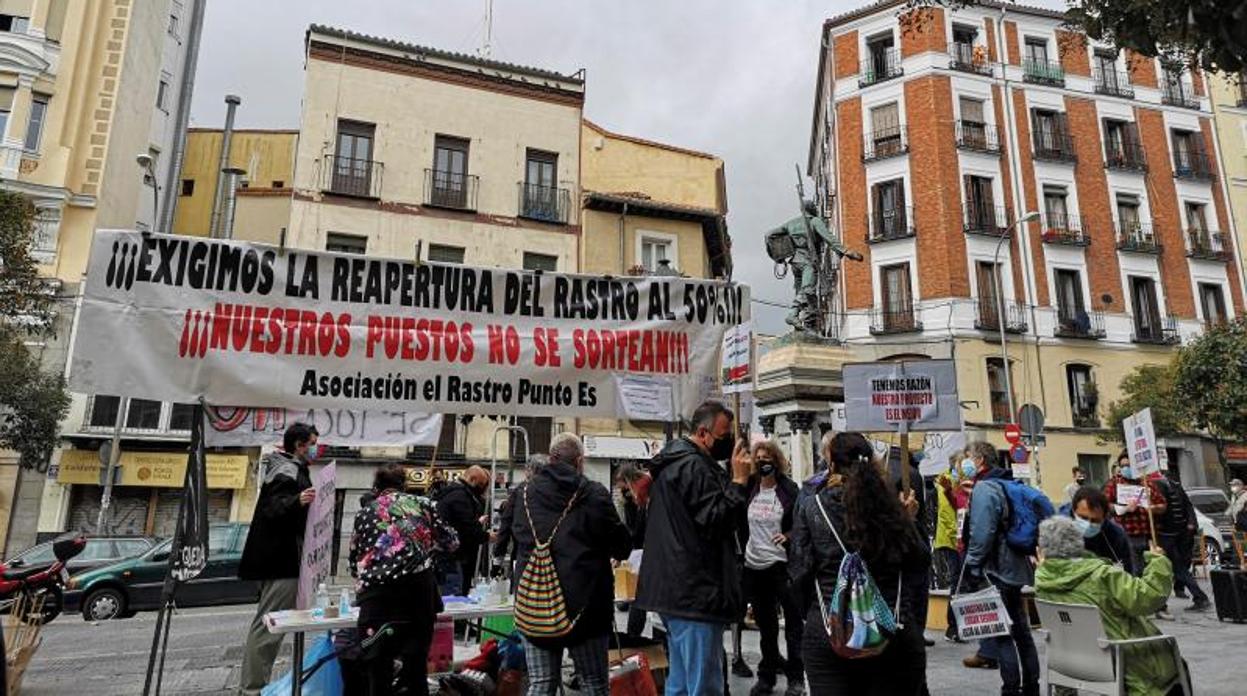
(722, 448)
(766, 469)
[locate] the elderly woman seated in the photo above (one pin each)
(1069, 574)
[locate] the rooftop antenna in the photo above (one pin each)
(486, 49)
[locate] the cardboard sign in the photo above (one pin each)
(1126, 494)
(981, 615)
(901, 396)
(236, 322)
(1141, 443)
(316, 565)
(736, 371)
(937, 447)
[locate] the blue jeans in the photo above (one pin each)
(1019, 660)
(695, 651)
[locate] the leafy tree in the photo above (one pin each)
(32, 402)
(1215, 31)
(1143, 387)
(1210, 379)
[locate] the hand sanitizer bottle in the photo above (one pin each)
(322, 601)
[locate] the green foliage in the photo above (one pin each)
(32, 402)
(1149, 386)
(1210, 379)
(1214, 31)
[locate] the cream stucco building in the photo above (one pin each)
(85, 87)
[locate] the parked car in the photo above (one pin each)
(1214, 503)
(120, 590)
(99, 551)
(1211, 538)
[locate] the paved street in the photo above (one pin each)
(206, 645)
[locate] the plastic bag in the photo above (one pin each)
(325, 681)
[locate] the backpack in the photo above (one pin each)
(1027, 507)
(540, 610)
(858, 621)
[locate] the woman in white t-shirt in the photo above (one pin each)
(772, 497)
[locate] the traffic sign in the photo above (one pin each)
(1031, 419)
(1019, 454)
(1013, 433)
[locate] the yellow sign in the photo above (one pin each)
(158, 469)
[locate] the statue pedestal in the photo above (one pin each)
(798, 379)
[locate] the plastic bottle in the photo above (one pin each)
(322, 601)
(344, 602)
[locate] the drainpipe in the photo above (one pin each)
(227, 136)
(623, 244)
(181, 118)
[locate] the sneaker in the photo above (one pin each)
(740, 669)
(1164, 615)
(977, 661)
(1200, 604)
(929, 643)
(952, 636)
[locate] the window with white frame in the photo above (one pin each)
(1212, 302)
(654, 249)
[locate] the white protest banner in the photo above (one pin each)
(736, 371)
(915, 395)
(176, 318)
(240, 426)
(937, 447)
(1141, 443)
(1127, 494)
(980, 615)
(315, 566)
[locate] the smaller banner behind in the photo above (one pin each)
(183, 318)
(190, 542)
(317, 562)
(1141, 443)
(240, 426)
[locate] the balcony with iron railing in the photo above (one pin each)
(1074, 322)
(1178, 95)
(1137, 237)
(885, 225)
(894, 321)
(1210, 246)
(987, 315)
(452, 190)
(1062, 228)
(1112, 82)
(992, 222)
(1161, 331)
(978, 137)
(1043, 72)
(881, 65)
(351, 176)
(968, 58)
(1192, 164)
(1085, 417)
(1054, 145)
(1127, 156)
(544, 203)
(885, 142)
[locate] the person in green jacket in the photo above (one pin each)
(1068, 574)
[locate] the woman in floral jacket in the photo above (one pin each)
(392, 553)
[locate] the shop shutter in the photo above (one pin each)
(127, 514)
(168, 500)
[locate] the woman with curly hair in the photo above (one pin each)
(392, 548)
(872, 521)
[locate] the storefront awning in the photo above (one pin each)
(158, 469)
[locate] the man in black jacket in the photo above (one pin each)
(462, 506)
(584, 535)
(689, 574)
(274, 547)
(1178, 529)
(1101, 535)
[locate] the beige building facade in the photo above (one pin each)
(85, 87)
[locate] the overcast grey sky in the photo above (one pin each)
(732, 78)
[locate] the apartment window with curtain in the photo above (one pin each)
(1056, 211)
(1069, 295)
(654, 251)
(888, 201)
(986, 275)
(34, 126)
(1212, 302)
(541, 197)
(1036, 50)
(885, 124)
(353, 158)
(980, 204)
(1083, 396)
(1147, 324)
(1128, 215)
(973, 123)
(898, 300)
(1105, 62)
(882, 57)
(997, 392)
(6, 105)
(1196, 219)
(450, 171)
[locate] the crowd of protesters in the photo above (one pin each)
(723, 531)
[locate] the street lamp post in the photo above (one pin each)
(1000, 308)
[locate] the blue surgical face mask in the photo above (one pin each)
(1127, 473)
(1087, 527)
(968, 469)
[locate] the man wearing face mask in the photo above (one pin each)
(694, 511)
(462, 506)
(1238, 506)
(1132, 514)
(1080, 480)
(1101, 535)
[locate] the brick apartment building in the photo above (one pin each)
(929, 129)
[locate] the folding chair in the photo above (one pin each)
(1080, 657)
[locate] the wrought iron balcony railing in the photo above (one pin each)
(453, 190)
(350, 176)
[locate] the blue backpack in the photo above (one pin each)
(1027, 507)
